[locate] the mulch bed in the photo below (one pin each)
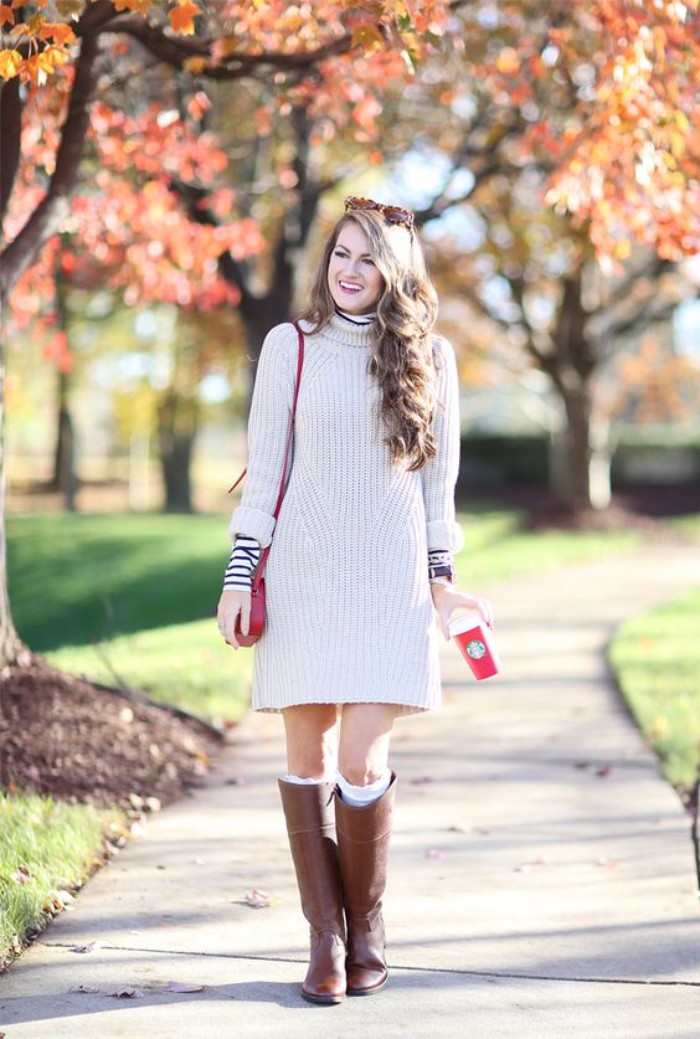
(61, 735)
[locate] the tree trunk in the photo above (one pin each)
(570, 364)
(44, 221)
(259, 316)
(63, 478)
(575, 490)
(601, 463)
(12, 649)
(177, 430)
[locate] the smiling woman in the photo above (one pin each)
(360, 566)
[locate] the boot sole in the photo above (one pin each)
(326, 1001)
(367, 991)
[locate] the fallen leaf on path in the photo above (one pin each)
(84, 988)
(257, 899)
(603, 771)
(127, 992)
(88, 947)
(183, 986)
(421, 780)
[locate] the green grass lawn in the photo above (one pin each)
(131, 598)
(75, 579)
(656, 657)
(46, 850)
(186, 665)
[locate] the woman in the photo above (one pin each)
(361, 564)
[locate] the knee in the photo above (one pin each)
(359, 772)
(310, 741)
(309, 765)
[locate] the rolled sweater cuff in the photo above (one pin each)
(254, 523)
(445, 534)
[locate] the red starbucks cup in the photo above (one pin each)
(475, 640)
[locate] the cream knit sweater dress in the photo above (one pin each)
(349, 612)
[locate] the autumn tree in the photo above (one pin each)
(128, 235)
(569, 181)
(565, 316)
(525, 118)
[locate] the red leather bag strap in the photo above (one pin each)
(290, 435)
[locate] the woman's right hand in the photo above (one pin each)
(231, 604)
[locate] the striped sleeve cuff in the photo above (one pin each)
(244, 559)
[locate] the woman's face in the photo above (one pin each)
(353, 279)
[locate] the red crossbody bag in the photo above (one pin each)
(257, 600)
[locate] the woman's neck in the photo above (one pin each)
(356, 319)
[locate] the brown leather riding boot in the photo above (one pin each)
(363, 851)
(308, 810)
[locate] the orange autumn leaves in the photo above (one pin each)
(634, 173)
(41, 45)
(604, 95)
(126, 229)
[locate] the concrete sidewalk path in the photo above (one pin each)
(542, 880)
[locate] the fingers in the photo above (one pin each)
(231, 604)
(453, 600)
(483, 606)
(227, 627)
(485, 609)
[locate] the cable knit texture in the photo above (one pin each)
(349, 612)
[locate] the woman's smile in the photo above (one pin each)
(353, 278)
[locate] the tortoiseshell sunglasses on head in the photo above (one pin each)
(392, 214)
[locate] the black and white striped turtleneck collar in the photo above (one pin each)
(356, 319)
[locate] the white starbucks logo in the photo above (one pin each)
(476, 649)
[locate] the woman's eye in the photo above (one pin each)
(370, 262)
(340, 254)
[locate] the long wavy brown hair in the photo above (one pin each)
(402, 356)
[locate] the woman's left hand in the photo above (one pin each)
(446, 599)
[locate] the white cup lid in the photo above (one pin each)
(465, 621)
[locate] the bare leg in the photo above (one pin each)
(311, 740)
(365, 735)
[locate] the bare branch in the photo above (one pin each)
(176, 51)
(650, 313)
(652, 267)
